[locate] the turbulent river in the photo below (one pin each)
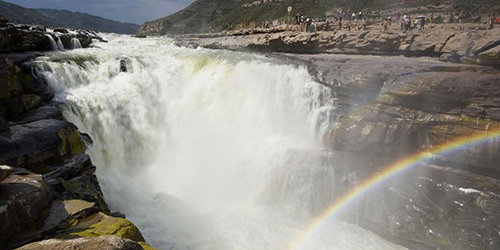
(198, 147)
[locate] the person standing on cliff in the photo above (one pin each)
(403, 23)
(398, 18)
(341, 15)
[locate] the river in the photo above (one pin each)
(199, 147)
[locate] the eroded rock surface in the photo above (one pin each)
(98, 243)
(466, 46)
(23, 196)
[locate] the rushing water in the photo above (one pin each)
(189, 143)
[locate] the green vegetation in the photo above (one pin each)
(63, 18)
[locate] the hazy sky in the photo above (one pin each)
(133, 11)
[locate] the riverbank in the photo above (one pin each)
(465, 45)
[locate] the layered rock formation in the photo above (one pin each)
(461, 46)
(48, 186)
(391, 107)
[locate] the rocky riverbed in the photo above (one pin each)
(48, 188)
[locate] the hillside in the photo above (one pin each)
(217, 15)
(63, 18)
(85, 21)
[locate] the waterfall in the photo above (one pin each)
(205, 149)
(53, 44)
(75, 43)
(60, 45)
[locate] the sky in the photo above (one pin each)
(131, 11)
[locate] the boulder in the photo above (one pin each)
(74, 166)
(60, 30)
(19, 40)
(5, 171)
(23, 196)
(85, 40)
(60, 216)
(490, 57)
(40, 141)
(44, 112)
(96, 243)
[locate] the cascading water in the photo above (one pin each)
(75, 44)
(53, 44)
(60, 45)
(199, 147)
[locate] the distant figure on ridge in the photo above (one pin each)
(341, 15)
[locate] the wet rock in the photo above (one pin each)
(63, 31)
(18, 40)
(96, 243)
(123, 65)
(438, 207)
(85, 40)
(5, 171)
(40, 141)
(23, 196)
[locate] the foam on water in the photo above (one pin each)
(189, 142)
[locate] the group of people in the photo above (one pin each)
(351, 18)
(306, 24)
(406, 22)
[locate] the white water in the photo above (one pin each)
(75, 44)
(60, 45)
(189, 144)
(53, 43)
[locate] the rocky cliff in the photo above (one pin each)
(468, 46)
(390, 107)
(398, 93)
(48, 186)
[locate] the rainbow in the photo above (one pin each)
(387, 173)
